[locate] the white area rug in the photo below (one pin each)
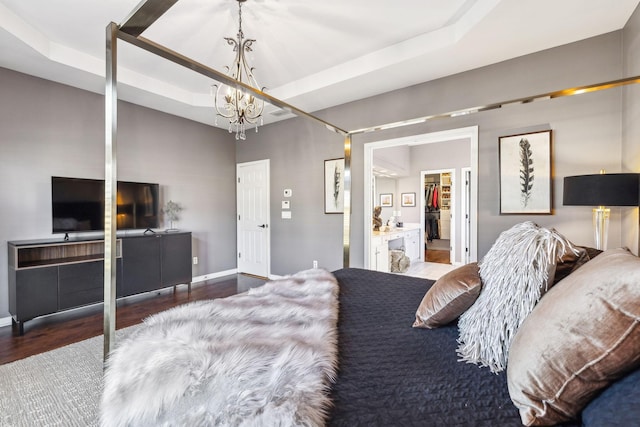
(61, 387)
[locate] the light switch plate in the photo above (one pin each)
(285, 204)
(286, 214)
(287, 192)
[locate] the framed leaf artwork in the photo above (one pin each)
(525, 173)
(334, 186)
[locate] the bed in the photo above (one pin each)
(377, 370)
(574, 359)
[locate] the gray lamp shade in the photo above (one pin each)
(611, 189)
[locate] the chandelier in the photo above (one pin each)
(233, 103)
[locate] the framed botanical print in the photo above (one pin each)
(525, 173)
(334, 186)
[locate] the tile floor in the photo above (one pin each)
(429, 270)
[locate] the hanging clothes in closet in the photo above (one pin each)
(431, 212)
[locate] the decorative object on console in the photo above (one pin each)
(334, 186)
(237, 105)
(172, 211)
(264, 357)
(525, 173)
(583, 335)
(515, 273)
(603, 189)
(449, 297)
(377, 221)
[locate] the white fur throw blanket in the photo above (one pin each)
(515, 273)
(263, 358)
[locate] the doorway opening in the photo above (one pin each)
(414, 182)
(438, 201)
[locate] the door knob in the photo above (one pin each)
(263, 226)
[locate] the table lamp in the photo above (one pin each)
(601, 190)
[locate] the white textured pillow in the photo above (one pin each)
(516, 272)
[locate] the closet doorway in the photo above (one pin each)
(438, 202)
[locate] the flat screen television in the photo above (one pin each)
(77, 205)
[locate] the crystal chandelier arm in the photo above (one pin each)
(216, 94)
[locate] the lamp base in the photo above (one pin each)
(601, 226)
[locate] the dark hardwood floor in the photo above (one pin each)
(50, 332)
(439, 256)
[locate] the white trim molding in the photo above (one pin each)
(210, 276)
(5, 321)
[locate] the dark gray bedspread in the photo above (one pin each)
(394, 375)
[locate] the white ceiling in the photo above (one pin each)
(311, 54)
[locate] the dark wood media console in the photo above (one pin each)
(49, 276)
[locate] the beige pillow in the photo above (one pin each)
(583, 334)
(449, 297)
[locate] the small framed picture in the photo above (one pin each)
(334, 186)
(408, 199)
(525, 173)
(386, 200)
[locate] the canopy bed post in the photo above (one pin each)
(346, 232)
(110, 179)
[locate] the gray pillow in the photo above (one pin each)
(449, 297)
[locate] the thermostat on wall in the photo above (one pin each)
(287, 192)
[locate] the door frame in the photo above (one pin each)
(453, 209)
(470, 133)
(465, 214)
(267, 196)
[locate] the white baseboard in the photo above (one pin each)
(210, 276)
(5, 321)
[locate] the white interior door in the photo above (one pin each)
(253, 218)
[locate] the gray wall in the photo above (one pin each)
(50, 129)
(297, 150)
(387, 186)
(586, 129)
(631, 125)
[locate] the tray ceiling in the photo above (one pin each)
(311, 54)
